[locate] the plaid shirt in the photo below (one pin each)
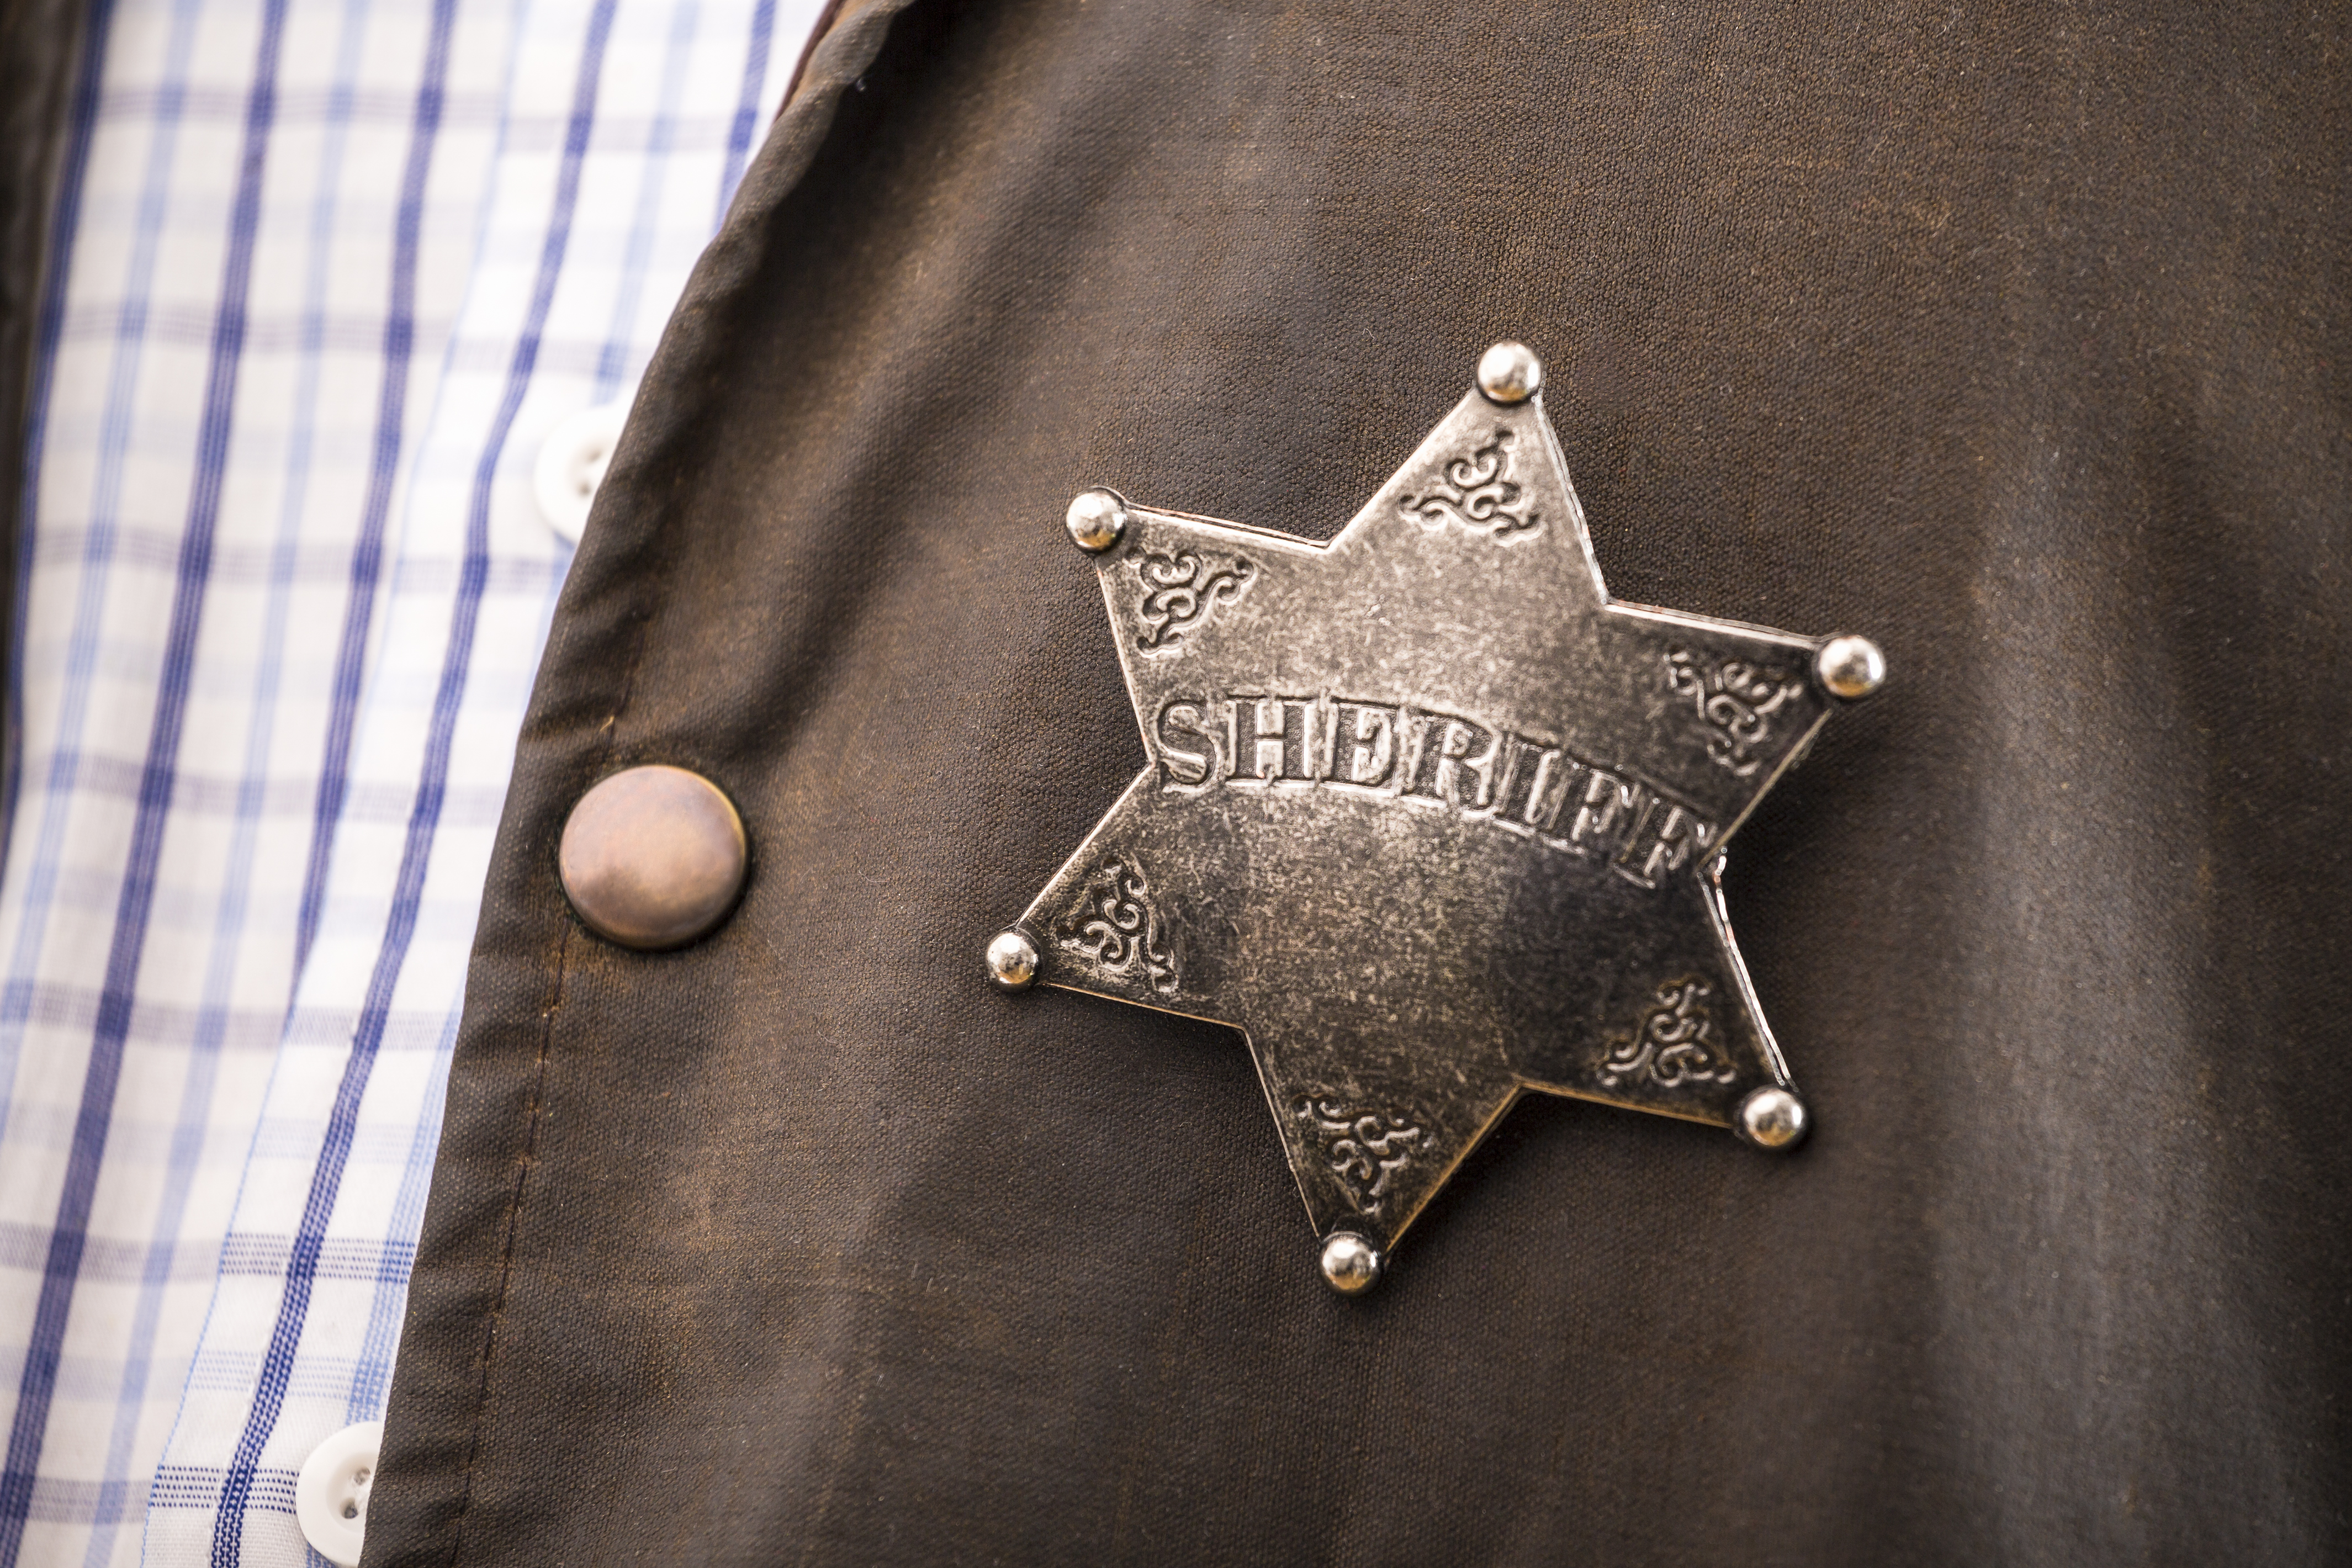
(327, 276)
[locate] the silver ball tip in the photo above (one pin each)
(1849, 668)
(1509, 373)
(1012, 961)
(1773, 1118)
(1096, 519)
(1351, 1265)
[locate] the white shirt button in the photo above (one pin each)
(330, 1495)
(572, 463)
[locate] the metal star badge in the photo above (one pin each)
(1431, 820)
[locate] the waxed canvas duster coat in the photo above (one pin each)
(2014, 333)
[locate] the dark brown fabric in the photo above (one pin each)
(41, 53)
(818, 32)
(2012, 334)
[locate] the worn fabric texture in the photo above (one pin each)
(2012, 334)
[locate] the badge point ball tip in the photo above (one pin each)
(1850, 667)
(1774, 1117)
(1509, 373)
(1096, 519)
(1351, 1265)
(1012, 961)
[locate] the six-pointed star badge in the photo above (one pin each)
(1431, 820)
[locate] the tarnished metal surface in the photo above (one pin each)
(1429, 818)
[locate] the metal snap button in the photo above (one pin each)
(653, 857)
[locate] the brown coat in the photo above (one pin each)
(2013, 333)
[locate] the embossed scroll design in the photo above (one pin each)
(1181, 588)
(1735, 699)
(1673, 1044)
(1476, 493)
(1364, 1146)
(1115, 925)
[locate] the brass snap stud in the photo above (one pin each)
(653, 857)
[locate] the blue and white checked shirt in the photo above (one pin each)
(329, 271)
